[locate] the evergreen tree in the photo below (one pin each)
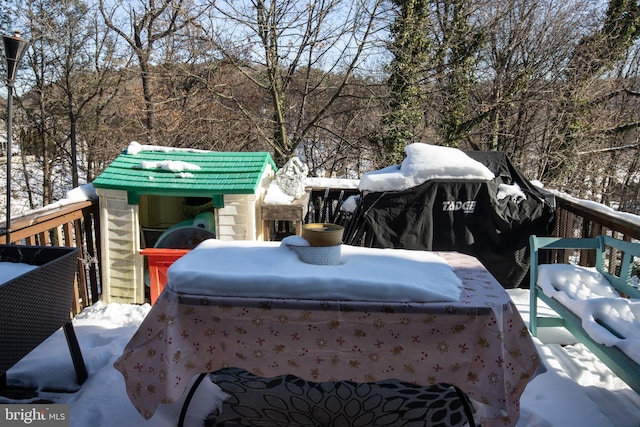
(455, 61)
(410, 47)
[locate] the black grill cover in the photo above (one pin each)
(465, 216)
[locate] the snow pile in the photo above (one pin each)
(288, 184)
(168, 165)
(291, 178)
(322, 183)
(350, 204)
(588, 294)
(135, 148)
(82, 193)
(621, 315)
(417, 276)
(422, 163)
(276, 196)
(514, 191)
(79, 194)
(176, 166)
(599, 207)
(573, 285)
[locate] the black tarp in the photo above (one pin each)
(465, 216)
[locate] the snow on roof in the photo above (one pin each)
(136, 148)
(168, 165)
(166, 171)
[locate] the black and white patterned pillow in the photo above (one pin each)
(290, 401)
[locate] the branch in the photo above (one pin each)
(604, 150)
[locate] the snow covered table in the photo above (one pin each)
(469, 334)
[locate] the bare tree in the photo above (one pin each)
(150, 24)
(275, 42)
(594, 56)
(82, 67)
(528, 43)
(410, 46)
(41, 136)
(458, 41)
(553, 83)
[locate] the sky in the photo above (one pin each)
(576, 389)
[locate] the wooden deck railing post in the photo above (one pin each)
(92, 241)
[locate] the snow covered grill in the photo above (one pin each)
(444, 199)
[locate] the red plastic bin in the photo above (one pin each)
(159, 260)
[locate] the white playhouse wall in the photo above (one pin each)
(235, 220)
(122, 265)
(240, 218)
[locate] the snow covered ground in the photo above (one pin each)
(576, 390)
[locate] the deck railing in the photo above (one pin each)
(576, 218)
(78, 225)
(74, 225)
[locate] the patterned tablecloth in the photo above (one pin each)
(479, 343)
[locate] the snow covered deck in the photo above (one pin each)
(576, 390)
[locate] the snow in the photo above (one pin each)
(350, 204)
(11, 270)
(344, 183)
(514, 191)
(588, 294)
(576, 390)
(103, 331)
(168, 165)
(622, 316)
(418, 276)
(79, 194)
(288, 184)
(135, 148)
(573, 285)
(422, 163)
(179, 167)
(276, 196)
(599, 207)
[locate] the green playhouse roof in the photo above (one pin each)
(183, 172)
